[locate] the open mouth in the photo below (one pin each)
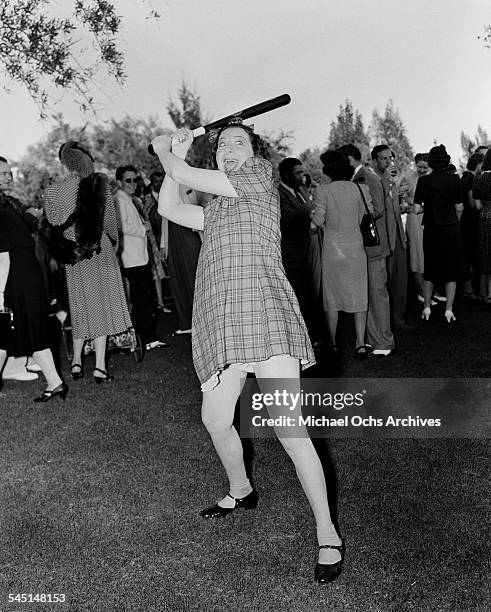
(230, 164)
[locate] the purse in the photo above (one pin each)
(368, 228)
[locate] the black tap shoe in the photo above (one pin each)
(325, 573)
(249, 502)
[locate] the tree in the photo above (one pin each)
(186, 112)
(389, 129)
(348, 129)
(126, 142)
(115, 144)
(278, 147)
(38, 50)
(486, 37)
(469, 145)
(41, 159)
(310, 158)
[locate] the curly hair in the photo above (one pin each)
(486, 164)
(336, 166)
(438, 158)
(260, 148)
(474, 160)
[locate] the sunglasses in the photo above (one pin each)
(131, 180)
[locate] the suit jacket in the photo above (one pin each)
(394, 221)
(366, 177)
(295, 227)
(134, 251)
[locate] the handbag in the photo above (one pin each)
(368, 228)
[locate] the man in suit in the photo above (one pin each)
(383, 164)
(296, 241)
(379, 334)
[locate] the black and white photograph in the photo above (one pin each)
(245, 305)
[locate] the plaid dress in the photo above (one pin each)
(244, 308)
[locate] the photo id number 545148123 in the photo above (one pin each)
(37, 597)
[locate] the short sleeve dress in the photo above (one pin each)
(339, 211)
(444, 259)
(25, 292)
(95, 288)
(482, 191)
(244, 310)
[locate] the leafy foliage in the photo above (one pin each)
(186, 112)
(486, 37)
(312, 164)
(112, 145)
(389, 129)
(125, 142)
(348, 128)
(38, 50)
(469, 145)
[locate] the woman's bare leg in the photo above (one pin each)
(78, 345)
(428, 293)
(100, 353)
(450, 294)
(360, 327)
(302, 453)
(332, 324)
(45, 361)
(217, 413)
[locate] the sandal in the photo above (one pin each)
(361, 352)
(79, 373)
(102, 379)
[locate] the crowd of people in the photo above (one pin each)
(430, 223)
(258, 271)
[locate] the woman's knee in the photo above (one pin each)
(215, 421)
(295, 445)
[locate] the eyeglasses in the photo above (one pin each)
(131, 180)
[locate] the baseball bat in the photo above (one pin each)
(246, 113)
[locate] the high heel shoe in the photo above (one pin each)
(327, 572)
(249, 502)
(76, 375)
(48, 394)
(449, 315)
(100, 379)
(426, 313)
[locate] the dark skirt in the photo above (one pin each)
(485, 241)
(184, 249)
(469, 226)
(26, 296)
(444, 254)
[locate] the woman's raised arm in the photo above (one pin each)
(171, 206)
(210, 181)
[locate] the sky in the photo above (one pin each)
(423, 55)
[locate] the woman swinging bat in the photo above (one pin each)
(245, 315)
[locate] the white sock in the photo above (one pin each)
(237, 491)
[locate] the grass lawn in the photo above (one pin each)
(99, 496)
